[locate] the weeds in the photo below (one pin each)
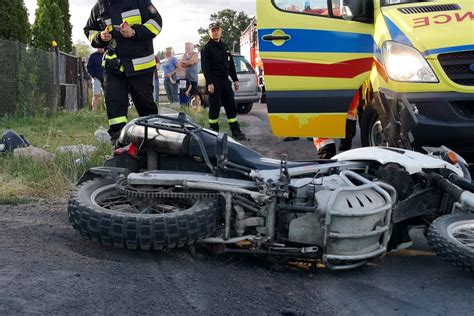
(23, 179)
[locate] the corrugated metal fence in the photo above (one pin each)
(33, 80)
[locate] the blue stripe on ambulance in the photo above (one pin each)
(321, 41)
(397, 34)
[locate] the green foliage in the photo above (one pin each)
(48, 25)
(67, 27)
(14, 21)
(24, 178)
(233, 23)
(82, 49)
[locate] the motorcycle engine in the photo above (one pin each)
(351, 219)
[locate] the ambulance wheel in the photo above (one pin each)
(371, 132)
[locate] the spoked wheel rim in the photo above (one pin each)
(376, 137)
(462, 232)
(192, 102)
(108, 198)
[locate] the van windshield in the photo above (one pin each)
(392, 2)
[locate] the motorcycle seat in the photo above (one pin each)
(240, 154)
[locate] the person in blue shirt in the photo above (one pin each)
(94, 68)
(189, 62)
(170, 67)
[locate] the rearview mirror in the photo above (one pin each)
(357, 10)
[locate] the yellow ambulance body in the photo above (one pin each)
(412, 62)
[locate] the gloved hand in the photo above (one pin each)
(111, 62)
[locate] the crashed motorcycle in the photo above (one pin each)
(172, 183)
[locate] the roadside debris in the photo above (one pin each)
(11, 140)
(34, 153)
(80, 150)
(102, 135)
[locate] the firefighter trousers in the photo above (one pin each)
(116, 90)
(223, 96)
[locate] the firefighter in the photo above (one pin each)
(217, 66)
(326, 147)
(126, 30)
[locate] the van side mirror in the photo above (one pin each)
(357, 10)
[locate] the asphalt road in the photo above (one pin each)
(46, 267)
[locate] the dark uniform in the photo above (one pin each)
(129, 63)
(217, 65)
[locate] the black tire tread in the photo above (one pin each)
(366, 121)
(138, 231)
(445, 247)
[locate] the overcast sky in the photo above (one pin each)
(181, 18)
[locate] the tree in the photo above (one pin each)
(82, 49)
(14, 25)
(66, 17)
(233, 23)
(48, 25)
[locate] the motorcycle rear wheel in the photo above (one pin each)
(452, 238)
(99, 212)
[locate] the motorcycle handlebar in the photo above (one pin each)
(459, 188)
(447, 186)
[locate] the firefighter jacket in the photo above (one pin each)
(217, 62)
(133, 55)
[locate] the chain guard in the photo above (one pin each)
(159, 192)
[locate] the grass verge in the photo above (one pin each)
(24, 179)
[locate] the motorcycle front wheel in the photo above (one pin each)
(100, 212)
(452, 238)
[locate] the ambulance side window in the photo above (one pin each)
(312, 7)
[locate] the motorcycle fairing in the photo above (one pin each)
(412, 161)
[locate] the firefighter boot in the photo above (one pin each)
(236, 132)
(214, 127)
(327, 152)
(345, 144)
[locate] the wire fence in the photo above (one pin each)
(34, 81)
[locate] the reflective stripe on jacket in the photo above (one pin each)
(136, 54)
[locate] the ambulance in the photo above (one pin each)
(409, 64)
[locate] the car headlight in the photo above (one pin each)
(405, 63)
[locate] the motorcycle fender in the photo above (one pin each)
(104, 172)
(397, 117)
(413, 162)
